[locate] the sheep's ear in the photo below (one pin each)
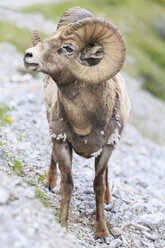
(94, 52)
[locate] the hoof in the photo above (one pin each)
(101, 230)
(105, 240)
(64, 224)
(51, 180)
(49, 187)
(108, 200)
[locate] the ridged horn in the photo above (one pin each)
(97, 31)
(35, 37)
(73, 15)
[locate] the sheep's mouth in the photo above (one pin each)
(31, 66)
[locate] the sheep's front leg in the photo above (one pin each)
(101, 163)
(63, 155)
(52, 173)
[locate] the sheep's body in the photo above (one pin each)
(87, 115)
(86, 100)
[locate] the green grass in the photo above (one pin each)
(136, 21)
(2, 144)
(29, 182)
(42, 178)
(42, 197)
(16, 167)
(20, 138)
(20, 37)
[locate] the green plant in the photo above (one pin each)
(29, 182)
(16, 167)
(20, 138)
(42, 197)
(2, 144)
(42, 178)
(57, 214)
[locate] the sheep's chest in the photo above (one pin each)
(85, 118)
(86, 107)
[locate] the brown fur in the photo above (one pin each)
(86, 117)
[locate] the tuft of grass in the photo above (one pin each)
(42, 197)
(135, 19)
(57, 214)
(29, 182)
(20, 138)
(2, 144)
(16, 167)
(42, 178)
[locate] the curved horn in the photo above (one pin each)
(73, 15)
(98, 31)
(35, 37)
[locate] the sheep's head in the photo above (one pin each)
(87, 39)
(50, 55)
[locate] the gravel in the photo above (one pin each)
(136, 217)
(115, 243)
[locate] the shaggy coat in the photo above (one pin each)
(86, 100)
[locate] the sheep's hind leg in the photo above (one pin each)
(101, 230)
(63, 153)
(52, 173)
(107, 197)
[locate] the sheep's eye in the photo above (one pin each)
(68, 48)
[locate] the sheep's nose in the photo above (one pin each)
(28, 55)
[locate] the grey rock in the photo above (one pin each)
(136, 240)
(90, 211)
(151, 236)
(3, 160)
(116, 232)
(152, 220)
(89, 191)
(108, 207)
(151, 245)
(115, 243)
(4, 196)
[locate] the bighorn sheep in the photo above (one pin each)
(86, 100)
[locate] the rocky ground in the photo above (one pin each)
(136, 217)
